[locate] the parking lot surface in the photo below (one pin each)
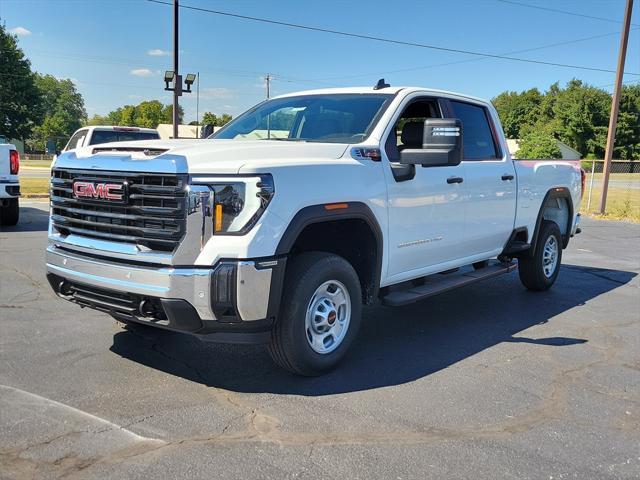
(489, 381)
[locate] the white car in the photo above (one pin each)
(353, 196)
(9, 184)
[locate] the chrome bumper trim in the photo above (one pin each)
(190, 284)
(252, 283)
(252, 291)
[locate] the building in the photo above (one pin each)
(568, 153)
(165, 130)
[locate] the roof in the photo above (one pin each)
(387, 90)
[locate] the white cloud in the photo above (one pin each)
(216, 93)
(156, 52)
(20, 31)
(141, 72)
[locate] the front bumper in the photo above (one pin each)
(234, 301)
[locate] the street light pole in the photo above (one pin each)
(177, 86)
(198, 106)
(615, 105)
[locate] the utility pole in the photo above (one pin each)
(268, 79)
(177, 86)
(615, 105)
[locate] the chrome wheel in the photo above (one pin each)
(328, 316)
(550, 256)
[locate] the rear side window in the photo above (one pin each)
(477, 136)
(106, 136)
(73, 142)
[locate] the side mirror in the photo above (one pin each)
(441, 144)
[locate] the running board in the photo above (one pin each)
(437, 285)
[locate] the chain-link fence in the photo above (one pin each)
(623, 196)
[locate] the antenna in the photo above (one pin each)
(381, 84)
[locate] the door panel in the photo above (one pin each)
(426, 219)
(492, 205)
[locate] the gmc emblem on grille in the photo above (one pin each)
(99, 191)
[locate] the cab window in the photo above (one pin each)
(409, 128)
(75, 140)
(478, 141)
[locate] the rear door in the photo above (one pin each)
(489, 179)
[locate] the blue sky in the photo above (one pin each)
(116, 50)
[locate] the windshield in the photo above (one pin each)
(108, 136)
(340, 118)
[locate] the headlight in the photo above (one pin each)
(238, 202)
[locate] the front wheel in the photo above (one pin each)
(321, 313)
(540, 271)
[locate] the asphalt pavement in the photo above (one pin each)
(490, 381)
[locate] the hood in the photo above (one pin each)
(200, 156)
(229, 156)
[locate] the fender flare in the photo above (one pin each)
(319, 214)
(556, 192)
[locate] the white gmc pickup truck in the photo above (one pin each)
(352, 196)
(9, 184)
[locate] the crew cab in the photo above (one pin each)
(350, 197)
(9, 184)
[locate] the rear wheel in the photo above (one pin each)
(320, 315)
(10, 214)
(540, 271)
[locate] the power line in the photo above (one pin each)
(542, 47)
(564, 12)
(386, 40)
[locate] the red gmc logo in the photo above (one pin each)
(99, 191)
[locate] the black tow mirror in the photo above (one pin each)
(441, 144)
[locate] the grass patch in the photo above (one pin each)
(35, 163)
(622, 203)
(34, 186)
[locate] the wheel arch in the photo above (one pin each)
(560, 196)
(345, 218)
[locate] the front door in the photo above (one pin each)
(426, 204)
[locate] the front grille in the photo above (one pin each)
(153, 216)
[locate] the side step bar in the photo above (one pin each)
(435, 286)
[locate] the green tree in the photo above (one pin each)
(167, 114)
(99, 120)
(627, 144)
(61, 110)
(209, 119)
(581, 114)
(19, 96)
(538, 142)
(517, 110)
(149, 114)
(212, 119)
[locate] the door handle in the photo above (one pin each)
(455, 180)
(507, 177)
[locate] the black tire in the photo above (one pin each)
(289, 347)
(531, 269)
(10, 214)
